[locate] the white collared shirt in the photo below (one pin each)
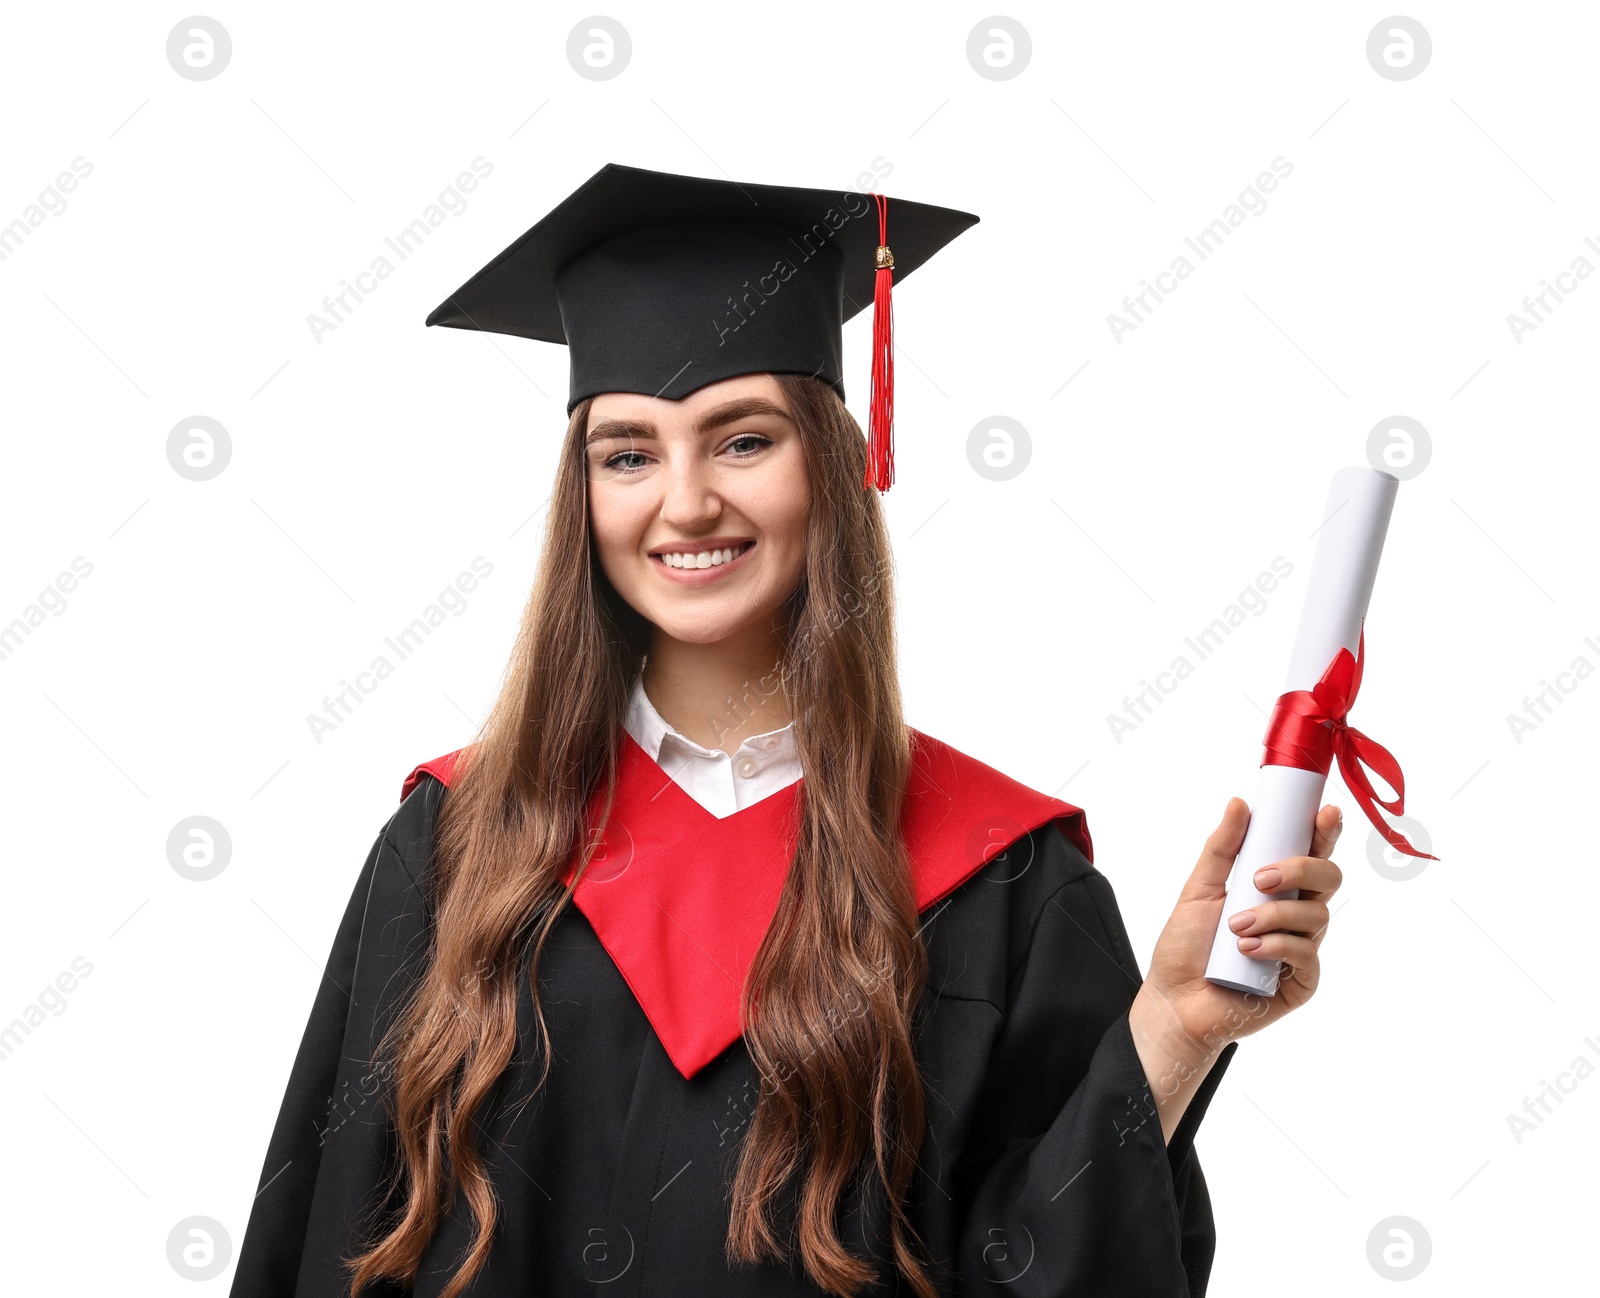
(721, 784)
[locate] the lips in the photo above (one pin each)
(706, 558)
(697, 575)
(727, 542)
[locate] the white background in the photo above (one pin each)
(1167, 470)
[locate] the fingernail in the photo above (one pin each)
(1249, 943)
(1271, 877)
(1242, 921)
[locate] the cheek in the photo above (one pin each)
(611, 526)
(795, 525)
(789, 525)
(789, 504)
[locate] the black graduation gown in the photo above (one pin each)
(1043, 1171)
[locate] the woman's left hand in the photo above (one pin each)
(1189, 1016)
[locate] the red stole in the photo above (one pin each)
(681, 899)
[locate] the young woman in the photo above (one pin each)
(701, 972)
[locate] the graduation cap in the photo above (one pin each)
(661, 284)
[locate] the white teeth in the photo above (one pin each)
(701, 559)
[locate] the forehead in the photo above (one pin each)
(687, 411)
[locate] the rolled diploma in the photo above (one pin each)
(1284, 814)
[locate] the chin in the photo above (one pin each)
(699, 630)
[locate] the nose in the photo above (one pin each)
(689, 499)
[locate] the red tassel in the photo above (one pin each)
(880, 424)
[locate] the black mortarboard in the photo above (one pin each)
(662, 284)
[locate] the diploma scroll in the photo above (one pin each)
(1284, 812)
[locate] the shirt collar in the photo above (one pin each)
(652, 733)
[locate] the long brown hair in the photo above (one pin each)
(829, 1002)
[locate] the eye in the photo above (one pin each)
(613, 463)
(755, 443)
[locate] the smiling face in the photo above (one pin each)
(699, 507)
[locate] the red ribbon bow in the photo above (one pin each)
(1308, 730)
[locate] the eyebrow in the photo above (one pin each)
(732, 412)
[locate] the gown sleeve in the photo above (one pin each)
(332, 1143)
(1073, 1190)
